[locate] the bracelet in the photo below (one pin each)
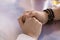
(50, 15)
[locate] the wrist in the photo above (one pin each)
(45, 17)
(51, 15)
(33, 36)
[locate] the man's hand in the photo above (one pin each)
(31, 26)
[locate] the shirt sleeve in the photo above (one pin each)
(24, 37)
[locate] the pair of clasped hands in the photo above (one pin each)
(31, 22)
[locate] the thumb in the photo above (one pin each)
(20, 20)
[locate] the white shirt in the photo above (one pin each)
(24, 37)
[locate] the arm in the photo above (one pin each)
(43, 16)
(56, 11)
(39, 15)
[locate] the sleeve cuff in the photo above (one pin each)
(24, 37)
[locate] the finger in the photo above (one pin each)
(25, 17)
(36, 20)
(20, 21)
(35, 14)
(27, 12)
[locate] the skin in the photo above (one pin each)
(40, 16)
(56, 13)
(27, 28)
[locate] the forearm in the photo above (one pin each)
(56, 11)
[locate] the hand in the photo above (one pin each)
(31, 26)
(39, 15)
(33, 18)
